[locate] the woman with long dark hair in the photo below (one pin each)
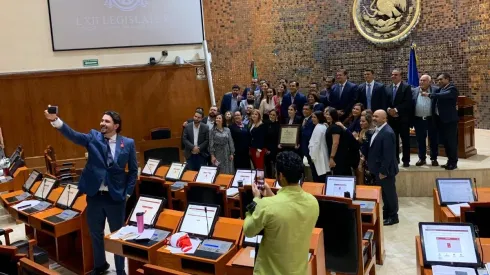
(318, 147)
(271, 143)
(280, 92)
(267, 104)
(337, 145)
(314, 101)
(257, 144)
(352, 121)
(221, 146)
(367, 131)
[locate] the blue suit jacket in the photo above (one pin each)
(226, 103)
(96, 170)
(299, 101)
(382, 153)
(347, 100)
(306, 133)
(446, 99)
(379, 96)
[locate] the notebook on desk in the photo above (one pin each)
(65, 201)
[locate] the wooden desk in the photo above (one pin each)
(61, 239)
(373, 221)
(421, 270)
(19, 178)
(443, 214)
(6, 204)
(23, 216)
(243, 264)
(139, 255)
(225, 229)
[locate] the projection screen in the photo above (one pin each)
(95, 24)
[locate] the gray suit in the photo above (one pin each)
(195, 161)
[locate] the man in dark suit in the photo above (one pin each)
(383, 165)
(444, 102)
(344, 96)
(307, 128)
(423, 121)
(241, 140)
(400, 111)
(104, 179)
(231, 101)
(196, 140)
(329, 85)
(293, 97)
(372, 94)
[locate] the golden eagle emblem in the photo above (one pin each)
(384, 21)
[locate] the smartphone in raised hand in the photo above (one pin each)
(260, 179)
(53, 110)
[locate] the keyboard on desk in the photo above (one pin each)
(54, 219)
(30, 210)
(12, 199)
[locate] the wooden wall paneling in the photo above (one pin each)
(146, 97)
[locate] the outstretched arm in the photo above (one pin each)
(69, 133)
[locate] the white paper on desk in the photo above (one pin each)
(194, 221)
(449, 270)
(31, 203)
(151, 167)
(247, 176)
(230, 192)
(177, 250)
(256, 239)
(206, 174)
(44, 188)
(124, 232)
(68, 195)
(456, 208)
(149, 206)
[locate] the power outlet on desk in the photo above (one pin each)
(164, 53)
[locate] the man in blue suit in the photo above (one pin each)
(231, 101)
(372, 94)
(383, 165)
(444, 102)
(293, 97)
(104, 179)
(344, 96)
(307, 128)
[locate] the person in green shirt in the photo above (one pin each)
(287, 220)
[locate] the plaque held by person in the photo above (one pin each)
(289, 135)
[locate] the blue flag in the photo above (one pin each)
(413, 73)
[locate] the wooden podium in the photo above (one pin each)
(226, 229)
(139, 255)
(20, 176)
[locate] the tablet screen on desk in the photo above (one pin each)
(452, 191)
(337, 186)
(199, 219)
(45, 188)
(206, 174)
(151, 207)
(246, 176)
(68, 196)
(449, 244)
(35, 175)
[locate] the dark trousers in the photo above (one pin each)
(390, 197)
(270, 166)
(422, 127)
(100, 207)
(242, 160)
(448, 135)
(314, 174)
(402, 130)
(195, 161)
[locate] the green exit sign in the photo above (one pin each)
(90, 62)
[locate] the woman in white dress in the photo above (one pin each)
(268, 103)
(318, 146)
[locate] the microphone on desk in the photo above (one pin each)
(68, 197)
(207, 223)
(42, 191)
(476, 189)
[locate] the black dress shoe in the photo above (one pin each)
(406, 164)
(102, 269)
(450, 167)
(444, 166)
(390, 221)
(420, 162)
(435, 163)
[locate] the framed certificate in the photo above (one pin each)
(289, 135)
(207, 174)
(247, 176)
(175, 171)
(151, 167)
(68, 196)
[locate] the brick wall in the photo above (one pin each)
(306, 39)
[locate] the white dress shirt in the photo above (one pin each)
(423, 104)
(376, 133)
(196, 133)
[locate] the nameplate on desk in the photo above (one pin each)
(199, 219)
(337, 186)
(151, 167)
(150, 206)
(45, 188)
(33, 177)
(246, 176)
(453, 191)
(175, 171)
(206, 174)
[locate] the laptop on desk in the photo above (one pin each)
(33, 177)
(39, 203)
(340, 186)
(65, 201)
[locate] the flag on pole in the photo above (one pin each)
(413, 73)
(253, 70)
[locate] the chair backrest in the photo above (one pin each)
(206, 193)
(28, 267)
(340, 221)
(150, 269)
(155, 189)
(166, 154)
(50, 158)
(8, 259)
(478, 214)
(246, 197)
(160, 133)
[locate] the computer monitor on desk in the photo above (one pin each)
(454, 191)
(340, 186)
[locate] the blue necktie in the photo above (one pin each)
(394, 93)
(368, 96)
(110, 160)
